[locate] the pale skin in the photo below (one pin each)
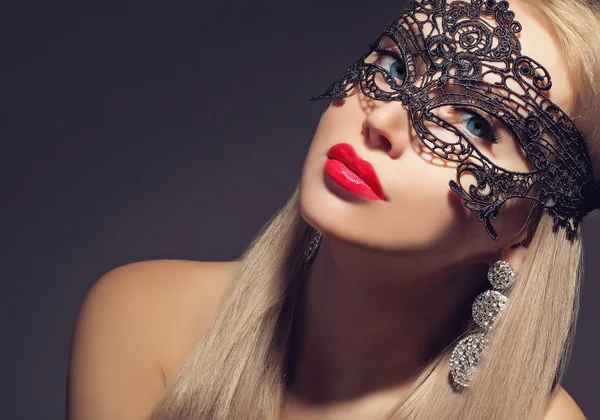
(405, 265)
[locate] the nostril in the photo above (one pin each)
(387, 128)
(378, 139)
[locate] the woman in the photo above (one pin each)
(455, 151)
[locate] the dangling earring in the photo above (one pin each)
(486, 308)
(312, 247)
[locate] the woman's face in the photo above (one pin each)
(420, 213)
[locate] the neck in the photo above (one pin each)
(369, 322)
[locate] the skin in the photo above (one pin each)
(138, 324)
(408, 266)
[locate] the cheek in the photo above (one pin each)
(513, 218)
(423, 213)
(340, 119)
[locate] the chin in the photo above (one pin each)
(310, 204)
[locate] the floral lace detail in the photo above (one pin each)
(466, 53)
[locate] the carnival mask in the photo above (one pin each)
(446, 55)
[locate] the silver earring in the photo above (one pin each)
(487, 306)
(312, 247)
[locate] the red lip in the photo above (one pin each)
(346, 154)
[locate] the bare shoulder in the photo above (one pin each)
(135, 328)
(562, 407)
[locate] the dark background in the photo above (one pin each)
(145, 130)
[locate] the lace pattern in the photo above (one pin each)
(467, 53)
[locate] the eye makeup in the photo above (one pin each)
(443, 53)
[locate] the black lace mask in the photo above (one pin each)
(457, 54)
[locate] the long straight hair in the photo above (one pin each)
(236, 371)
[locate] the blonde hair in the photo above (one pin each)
(236, 370)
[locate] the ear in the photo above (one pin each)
(515, 255)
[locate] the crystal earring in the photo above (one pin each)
(487, 306)
(312, 247)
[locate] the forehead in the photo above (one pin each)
(537, 38)
(539, 41)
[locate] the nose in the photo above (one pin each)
(389, 128)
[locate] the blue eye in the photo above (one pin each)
(480, 127)
(398, 70)
(477, 126)
(396, 67)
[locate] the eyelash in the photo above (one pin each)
(384, 53)
(382, 50)
(493, 136)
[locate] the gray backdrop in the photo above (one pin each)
(126, 126)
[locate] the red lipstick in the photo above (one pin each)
(353, 172)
